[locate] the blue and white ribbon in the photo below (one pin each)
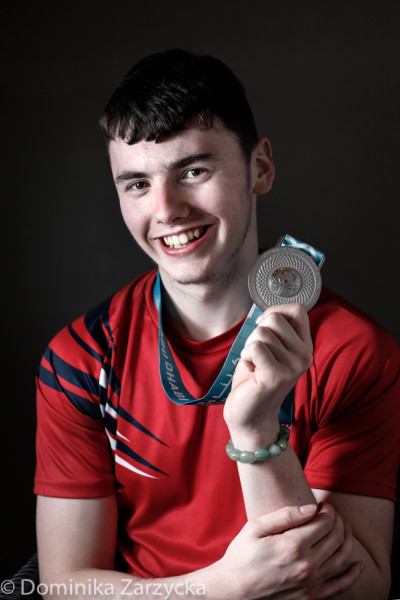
(315, 254)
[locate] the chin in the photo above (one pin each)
(193, 278)
(186, 276)
(190, 279)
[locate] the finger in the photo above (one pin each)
(259, 356)
(278, 324)
(283, 519)
(311, 533)
(329, 545)
(265, 344)
(338, 585)
(275, 324)
(295, 314)
(340, 560)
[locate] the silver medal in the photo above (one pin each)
(284, 275)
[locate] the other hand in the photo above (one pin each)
(288, 555)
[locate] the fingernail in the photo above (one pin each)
(307, 509)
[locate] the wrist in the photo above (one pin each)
(261, 453)
(249, 421)
(253, 438)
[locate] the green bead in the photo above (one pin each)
(246, 457)
(228, 447)
(233, 453)
(261, 454)
(274, 450)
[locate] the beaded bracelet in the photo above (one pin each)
(261, 454)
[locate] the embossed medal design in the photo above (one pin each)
(285, 274)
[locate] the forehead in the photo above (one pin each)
(148, 156)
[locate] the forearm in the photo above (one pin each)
(277, 482)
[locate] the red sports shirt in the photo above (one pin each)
(106, 425)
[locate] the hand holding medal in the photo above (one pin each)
(280, 349)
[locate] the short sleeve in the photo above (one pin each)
(354, 409)
(73, 455)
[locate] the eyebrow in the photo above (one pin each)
(177, 164)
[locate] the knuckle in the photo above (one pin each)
(306, 356)
(342, 562)
(286, 516)
(274, 318)
(301, 364)
(304, 570)
(326, 517)
(257, 346)
(298, 311)
(254, 526)
(293, 552)
(344, 554)
(267, 336)
(339, 528)
(327, 508)
(251, 348)
(326, 526)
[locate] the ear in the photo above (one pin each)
(262, 167)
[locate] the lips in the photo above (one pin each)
(185, 238)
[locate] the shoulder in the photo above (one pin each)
(78, 360)
(354, 356)
(338, 325)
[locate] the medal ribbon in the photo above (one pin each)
(315, 254)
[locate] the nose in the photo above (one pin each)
(169, 203)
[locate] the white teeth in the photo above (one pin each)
(179, 241)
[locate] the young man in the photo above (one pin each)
(124, 470)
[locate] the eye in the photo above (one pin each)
(138, 186)
(193, 173)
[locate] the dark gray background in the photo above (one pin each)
(323, 78)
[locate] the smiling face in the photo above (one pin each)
(189, 202)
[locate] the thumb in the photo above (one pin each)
(285, 518)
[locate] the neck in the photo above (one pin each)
(203, 311)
